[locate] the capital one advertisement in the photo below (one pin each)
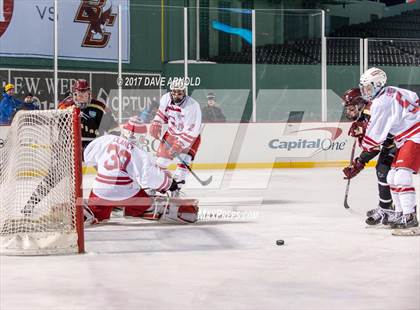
(87, 30)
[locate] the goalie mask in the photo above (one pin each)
(371, 83)
(178, 91)
(81, 92)
(134, 131)
(354, 104)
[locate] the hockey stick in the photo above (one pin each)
(346, 205)
(205, 182)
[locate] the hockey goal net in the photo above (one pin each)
(40, 184)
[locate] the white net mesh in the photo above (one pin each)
(38, 184)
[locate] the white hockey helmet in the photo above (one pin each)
(178, 84)
(371, 83)
(134, 131)
(177, 89)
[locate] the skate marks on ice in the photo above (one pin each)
(139, 236)
(214, 230)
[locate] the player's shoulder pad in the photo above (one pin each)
(97, 105)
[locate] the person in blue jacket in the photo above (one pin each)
(9, 105)
(30, 103)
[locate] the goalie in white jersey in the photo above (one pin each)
(183, 116)
(394, 111)
(124, 171)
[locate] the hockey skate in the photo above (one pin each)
(373, 211)
(391, 217)
(382, 216)
(414, 231)
(406, 221)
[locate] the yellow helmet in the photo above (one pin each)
(8, 87)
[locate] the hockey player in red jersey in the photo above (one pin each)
(124, 172)
(182, 114)
(357, 110)
(96, 118)
(394, 111)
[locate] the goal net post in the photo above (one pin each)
(41, 211)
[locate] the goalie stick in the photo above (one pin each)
(202, 182)
(346, 195)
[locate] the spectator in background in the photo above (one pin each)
(9, 105)
(211, 112)
(30, 103)
(147, 115)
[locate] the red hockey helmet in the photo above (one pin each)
(80, 85)
(135, 125)
(81, 92)
(353, 103)
(134, 130)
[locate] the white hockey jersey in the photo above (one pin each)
(184, 121)
(122, 168)
(395, 111)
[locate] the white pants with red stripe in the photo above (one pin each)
(403, 192)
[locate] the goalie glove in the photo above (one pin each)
(175, 185)
(351, 171)
(156, 129)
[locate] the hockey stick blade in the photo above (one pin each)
(206, 182)
(346, 204)
(203, 183)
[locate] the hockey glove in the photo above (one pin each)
(156, 129)
(354, 169)
(176, 148)
(357, 129)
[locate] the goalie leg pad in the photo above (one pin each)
(182, 210)
(99, 207)
(89, 216)
(177, 210)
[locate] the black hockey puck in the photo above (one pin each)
(280, 242)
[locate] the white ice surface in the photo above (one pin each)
(330, 260)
